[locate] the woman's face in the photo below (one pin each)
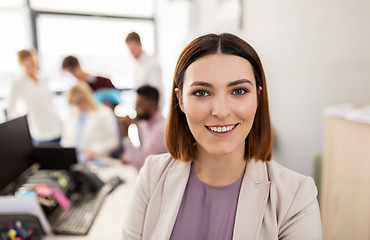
(219, 100)
(78, 102)
(29, 66)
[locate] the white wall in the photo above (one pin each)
(172, 27)
(214, 16)
(315, 54)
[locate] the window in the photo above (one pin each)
(11, 3)
(92, 30)
(98, 43)
(14, 37)
(137, 8)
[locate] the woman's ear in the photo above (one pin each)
(179, 99)
(259, 90)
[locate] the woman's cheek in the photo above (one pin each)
(246, 109)
(196, 111)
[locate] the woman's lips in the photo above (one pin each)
(221, 129)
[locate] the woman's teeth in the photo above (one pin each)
(221, 129)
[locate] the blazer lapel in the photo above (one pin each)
(253, 197)
(174, 188)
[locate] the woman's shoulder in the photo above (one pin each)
(289, 184)
(293, 202)
(103, 110)
(160, 162)
(156, 166)
(21, 83)
(19, 79)
(280, 173)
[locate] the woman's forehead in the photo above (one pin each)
(219, 68)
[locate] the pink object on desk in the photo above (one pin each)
(61, 199)
(43, 190)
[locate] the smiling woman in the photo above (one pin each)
(212, 104)
(235, 64)
(218, 180)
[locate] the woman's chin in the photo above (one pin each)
(220, 152)
(221, 149)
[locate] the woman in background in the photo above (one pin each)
(218, 181)
(92, 128)
(44, 124)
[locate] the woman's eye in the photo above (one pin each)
(240, 91)
(201, 93)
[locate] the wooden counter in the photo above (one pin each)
(345, 190)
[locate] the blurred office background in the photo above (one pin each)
(315, 53)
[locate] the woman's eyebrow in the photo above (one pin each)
(200, 83)
(240, 81)
(230, 84)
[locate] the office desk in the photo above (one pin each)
(109, 221)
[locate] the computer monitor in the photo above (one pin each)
(16, 153)
(57, 158)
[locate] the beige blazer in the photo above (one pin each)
(274, 202)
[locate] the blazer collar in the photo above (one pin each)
(252, 201)
(173, 191)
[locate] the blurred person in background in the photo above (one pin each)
(148, 71)
(32, 89)
(104, 90)
(92, 128)
(150, 124)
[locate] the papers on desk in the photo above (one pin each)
(350, 112)
(24, 205)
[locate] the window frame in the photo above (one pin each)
(34, 14)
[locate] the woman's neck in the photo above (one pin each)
(219, 170)
(33, 77)
(84, 76)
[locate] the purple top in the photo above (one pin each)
(206, 212)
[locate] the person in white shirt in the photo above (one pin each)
(92, 128)
(148, 70)
(44, 123)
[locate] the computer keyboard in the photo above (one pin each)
(78, 219)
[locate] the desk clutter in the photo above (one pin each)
(24, 227)
(49, 187)
(69, 205)
(64, 199)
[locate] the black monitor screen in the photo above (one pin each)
(16, 151)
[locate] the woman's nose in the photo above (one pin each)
(220, 107)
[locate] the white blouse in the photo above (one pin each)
(43, 121)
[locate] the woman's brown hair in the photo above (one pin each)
(179, 139)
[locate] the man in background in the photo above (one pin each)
(148, 71)
(150, 124)
(103, 88)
